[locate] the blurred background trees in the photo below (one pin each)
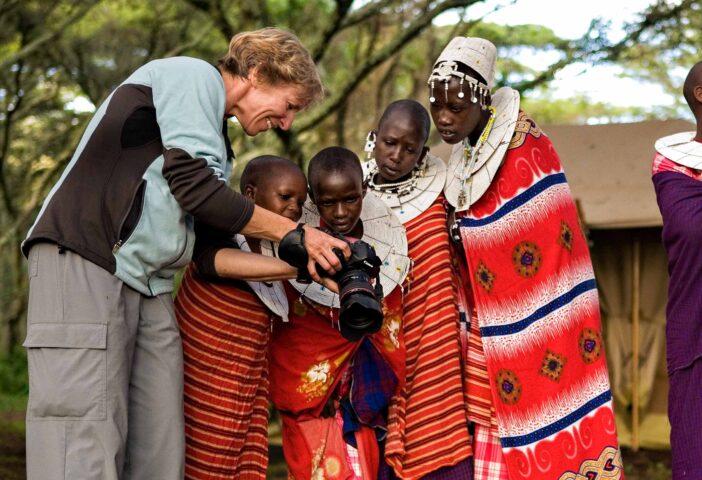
(58, 59)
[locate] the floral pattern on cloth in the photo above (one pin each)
(590, 345)
(316, 381)
(308, 362)
(526, 258)
(553, 365)
(565, 238)
(553, 405)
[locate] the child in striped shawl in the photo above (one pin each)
(225, 326)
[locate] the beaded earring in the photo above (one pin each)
(370, 144)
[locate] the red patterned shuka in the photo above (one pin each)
(309, 363)
(537, 307)
(225, 332)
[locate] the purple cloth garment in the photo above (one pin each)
(680, 202)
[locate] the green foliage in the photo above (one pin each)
(13, 374)
(369, 53)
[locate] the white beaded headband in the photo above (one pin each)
(443, 71)
(476, 53)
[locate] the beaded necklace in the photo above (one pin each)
(405, 187)
(470, 156)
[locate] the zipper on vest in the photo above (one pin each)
(131, 218)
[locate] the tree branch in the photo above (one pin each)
(47, 37)
(364, 13)
(9, 114)
(216, 13)
(178, 50)
(355, 78)
(342, 10)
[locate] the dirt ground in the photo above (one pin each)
(641, 465)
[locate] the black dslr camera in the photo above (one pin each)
(360, 303)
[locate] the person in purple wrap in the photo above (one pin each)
(677, 178)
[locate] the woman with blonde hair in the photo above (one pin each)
(105, 357)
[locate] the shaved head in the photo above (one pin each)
(333, 160)
(414, 111)
(692, 89)
(261, 169)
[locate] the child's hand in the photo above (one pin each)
(330, 284)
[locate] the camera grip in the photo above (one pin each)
(292, 250)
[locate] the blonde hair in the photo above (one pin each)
(279, 58)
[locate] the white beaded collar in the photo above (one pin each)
(682, 149)
(428, 183)
(272, 294)
(492, 153)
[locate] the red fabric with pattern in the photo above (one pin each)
(536, 304)
(308, 357)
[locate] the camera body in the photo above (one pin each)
(360, 302)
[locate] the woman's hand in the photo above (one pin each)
(319, 247)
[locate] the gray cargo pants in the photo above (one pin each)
(105, 375)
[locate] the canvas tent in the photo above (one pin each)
(609, 171)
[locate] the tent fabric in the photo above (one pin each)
(613, 257)
(609, 169)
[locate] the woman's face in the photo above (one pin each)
(455, 118)
(263, 106)
(399, 146)
(339, 200)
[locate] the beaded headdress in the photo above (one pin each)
(476, 53)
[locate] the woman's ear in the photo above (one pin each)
(252, 77)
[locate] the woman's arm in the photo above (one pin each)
(319, 245)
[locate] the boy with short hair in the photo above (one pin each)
(428, 431)
(331, 391)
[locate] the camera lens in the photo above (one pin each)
(360, 313)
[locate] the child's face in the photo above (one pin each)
(339, 199)
(283, 193)
(399, 147)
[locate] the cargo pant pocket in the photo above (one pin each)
(67, 371)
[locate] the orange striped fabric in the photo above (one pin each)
(480, 407)
(428, 426)
(225, 332)
(475, 375)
